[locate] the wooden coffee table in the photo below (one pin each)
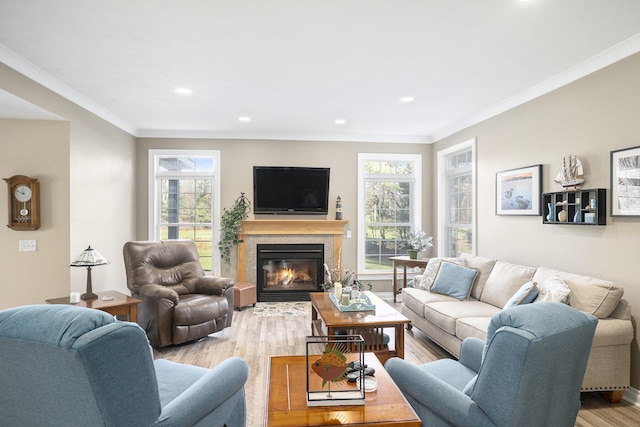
(326, 319)
(119, 304)
(287, 405)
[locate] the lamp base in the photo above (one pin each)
(88, 295)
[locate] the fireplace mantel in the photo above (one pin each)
(284, 227)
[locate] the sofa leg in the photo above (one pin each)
(613, 396)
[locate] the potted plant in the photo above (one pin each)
(230, 226)
(418, 241)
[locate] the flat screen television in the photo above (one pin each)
(290, 190)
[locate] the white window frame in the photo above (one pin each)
(155, 196)
(416, 207)
(443, 195)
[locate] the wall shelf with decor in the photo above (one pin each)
(575, 207)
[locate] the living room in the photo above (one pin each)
(94, 182)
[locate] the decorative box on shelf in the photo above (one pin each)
(362, 303)
(329, 360)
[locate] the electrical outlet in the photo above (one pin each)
(28, 246)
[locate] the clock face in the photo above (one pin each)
(23, 193)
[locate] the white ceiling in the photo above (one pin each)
(295, 66)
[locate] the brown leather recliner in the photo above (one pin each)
(179, 303)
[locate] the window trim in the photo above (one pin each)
(154, 194)
(443, 195)
(416, 199)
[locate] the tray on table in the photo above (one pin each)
(363, 303)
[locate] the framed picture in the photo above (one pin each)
(625, 182)
(518, 191)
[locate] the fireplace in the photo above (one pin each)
(288, 272)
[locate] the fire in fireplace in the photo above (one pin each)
(288, 272)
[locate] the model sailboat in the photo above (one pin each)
(571, 172)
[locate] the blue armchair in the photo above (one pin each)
(528, 373)
(65, 365)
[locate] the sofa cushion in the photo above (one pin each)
(484, 266)
(475, 326)
(454, 280)
(431, 270)
(445, 314)
(594, 296)
(525, 295)
(416, 299)
(505, 279)
(553, 289)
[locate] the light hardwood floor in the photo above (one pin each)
(256, 338)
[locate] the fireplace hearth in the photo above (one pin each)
(288, 272)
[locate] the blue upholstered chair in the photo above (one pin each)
(71, 366)
(528, 373)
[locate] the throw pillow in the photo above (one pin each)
(431, 270)
(454, 280)
(554, 289)
(525, 295)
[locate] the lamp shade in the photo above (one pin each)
(88, 258)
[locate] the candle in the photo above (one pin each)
(345, 299)
(74, 298)
(337, 286)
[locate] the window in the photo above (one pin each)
(389, 207)
(456, 199)
(184, 199)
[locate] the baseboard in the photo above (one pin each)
(632, 396)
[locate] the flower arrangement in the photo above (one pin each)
(419, 241)
(346, 279)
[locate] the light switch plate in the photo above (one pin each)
(28, 246)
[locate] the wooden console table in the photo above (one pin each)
(119, 305)
(404, 262)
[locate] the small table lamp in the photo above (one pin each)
(89, 258)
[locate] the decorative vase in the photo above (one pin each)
(413, 254)
(562, 216)
(550, 215)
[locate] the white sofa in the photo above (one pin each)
(447, 320)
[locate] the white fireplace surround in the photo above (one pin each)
(254, 232)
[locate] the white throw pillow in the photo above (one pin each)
(431, 270)
(553, 289)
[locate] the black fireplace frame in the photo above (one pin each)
(286, 251)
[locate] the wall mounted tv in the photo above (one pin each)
(290, 190)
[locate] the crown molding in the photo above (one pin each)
(610, 56)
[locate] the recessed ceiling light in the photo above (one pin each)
(407, 99)
(183, 91)
(340, 121)
(244, 119)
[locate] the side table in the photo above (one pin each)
(404, 262)
(119, 305)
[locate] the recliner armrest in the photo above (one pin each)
(471, 353)
(435, 395)
(213, 285)
(206, 394)
(151, 291)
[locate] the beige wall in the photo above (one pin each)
(95, 164)
(38, 149)
(239, 156)
(589, 118)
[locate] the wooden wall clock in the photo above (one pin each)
(23, 195)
